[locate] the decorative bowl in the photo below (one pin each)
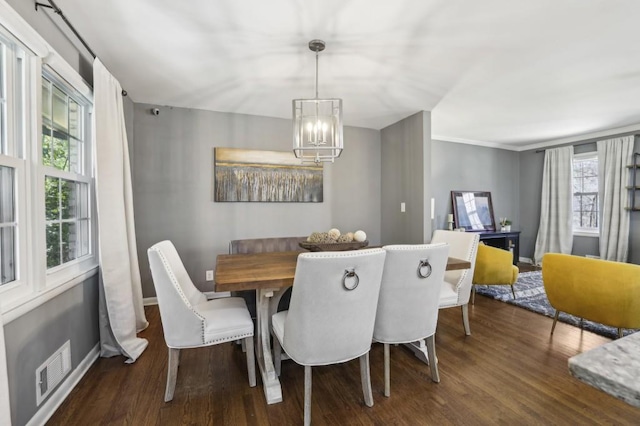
(353, 245)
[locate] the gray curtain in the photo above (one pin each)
(614, 155)
(555, 234)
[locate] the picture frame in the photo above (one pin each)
(473, 211)
(248, 175)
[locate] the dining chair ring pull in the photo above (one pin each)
(424, 264)
(350, 274)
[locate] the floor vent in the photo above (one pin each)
(52, 371)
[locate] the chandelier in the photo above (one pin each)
(317, 123)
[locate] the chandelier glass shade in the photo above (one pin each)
(317, 123)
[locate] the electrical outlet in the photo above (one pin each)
(209, 276)
(403, 208)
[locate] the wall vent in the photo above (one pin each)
(52, 371)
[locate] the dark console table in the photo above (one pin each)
(506, 240)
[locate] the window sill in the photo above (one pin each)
(32, 301)
(586, 234)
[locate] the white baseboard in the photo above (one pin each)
(59, 395)
(525, 260)
(150, 301)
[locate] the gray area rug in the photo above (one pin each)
(530, 295)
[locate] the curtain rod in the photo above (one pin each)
(592, 140)
(58, 11)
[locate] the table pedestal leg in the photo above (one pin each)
(270, 381)
(419, 348)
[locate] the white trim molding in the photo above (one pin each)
(583, 137)
(21, 308)
(149, 301)
(539, 145)
(16, 25)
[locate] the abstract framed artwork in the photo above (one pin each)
(243, 175)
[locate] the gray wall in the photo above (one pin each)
(406, 177)
(32, 338)
(173, 186)
(531, 164)
(475, 168)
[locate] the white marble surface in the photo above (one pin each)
(613, 368)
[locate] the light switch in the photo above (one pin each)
(403, 208)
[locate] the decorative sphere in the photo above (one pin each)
(344, 238)
(334, 234)
(359, 236)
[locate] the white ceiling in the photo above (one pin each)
(497, 72)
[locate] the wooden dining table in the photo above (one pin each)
(269, 274)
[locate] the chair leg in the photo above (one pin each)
(387, 371)
(172, 373)
(307, 395)
(277, 354)
(465, 319)
(365, 377)
(620, 333)
(433, 361)
(473, 294)
(513, 291)
(251, 360)
(244, 347)
(555, 320)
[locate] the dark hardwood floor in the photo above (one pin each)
(509, 371)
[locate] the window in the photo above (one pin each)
(585, 193)
(12, 165)
(47, 230)
(8, 226)
(66, 183)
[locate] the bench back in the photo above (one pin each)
(261, 245)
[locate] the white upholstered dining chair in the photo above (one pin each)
(189, 320)
(331, 315)
(409, 299)
(456, 288)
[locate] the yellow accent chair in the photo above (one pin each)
(494, 266)
(598, 290)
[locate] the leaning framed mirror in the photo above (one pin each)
(473, 210)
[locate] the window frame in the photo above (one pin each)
(15, 69)
(34, 58)
(585, 232)
(67, 271)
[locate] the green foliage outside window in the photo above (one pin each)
(66, 201)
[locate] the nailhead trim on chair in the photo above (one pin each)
(351, 253)
(229, 339)
(466, 271)
(174, 281)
